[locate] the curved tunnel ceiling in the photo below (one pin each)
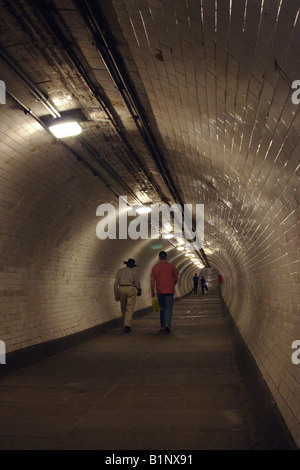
(186, 102)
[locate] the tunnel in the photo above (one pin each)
(185, 104)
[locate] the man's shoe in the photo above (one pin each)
(167, 329)
(127, 329)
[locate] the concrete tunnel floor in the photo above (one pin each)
(145, 390)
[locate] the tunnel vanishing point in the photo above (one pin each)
(175, 102)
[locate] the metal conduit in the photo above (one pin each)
(47, 11)
(98, 28)
(107, 167)
(44, 100)
(79, 157)
(96, 24)
(40, 96)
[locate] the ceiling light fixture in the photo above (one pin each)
(65, 129)
(143, 209)
(166, 236)
(168, 227)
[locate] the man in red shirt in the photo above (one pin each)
(164, 276)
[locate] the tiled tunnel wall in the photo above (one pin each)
(57, 276)
(261, 289)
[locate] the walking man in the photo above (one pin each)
(164, 276)
(203, 284)
(127, 286)
(195, 280)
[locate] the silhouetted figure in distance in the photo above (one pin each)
(203, 285)
(195, 280)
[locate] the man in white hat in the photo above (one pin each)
(127, 286)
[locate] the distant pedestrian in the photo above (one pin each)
(164, 276)
(203, 284)
(127, 286)
(195, 281)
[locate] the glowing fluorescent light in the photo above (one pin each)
(143, 210)
(65, 129)
(168, 227)
(166, 236)
(180, 248)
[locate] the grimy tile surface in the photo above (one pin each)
(145, 390)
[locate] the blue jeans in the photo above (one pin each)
(166, 304)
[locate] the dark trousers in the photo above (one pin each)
(166, 305)
(196, 287)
